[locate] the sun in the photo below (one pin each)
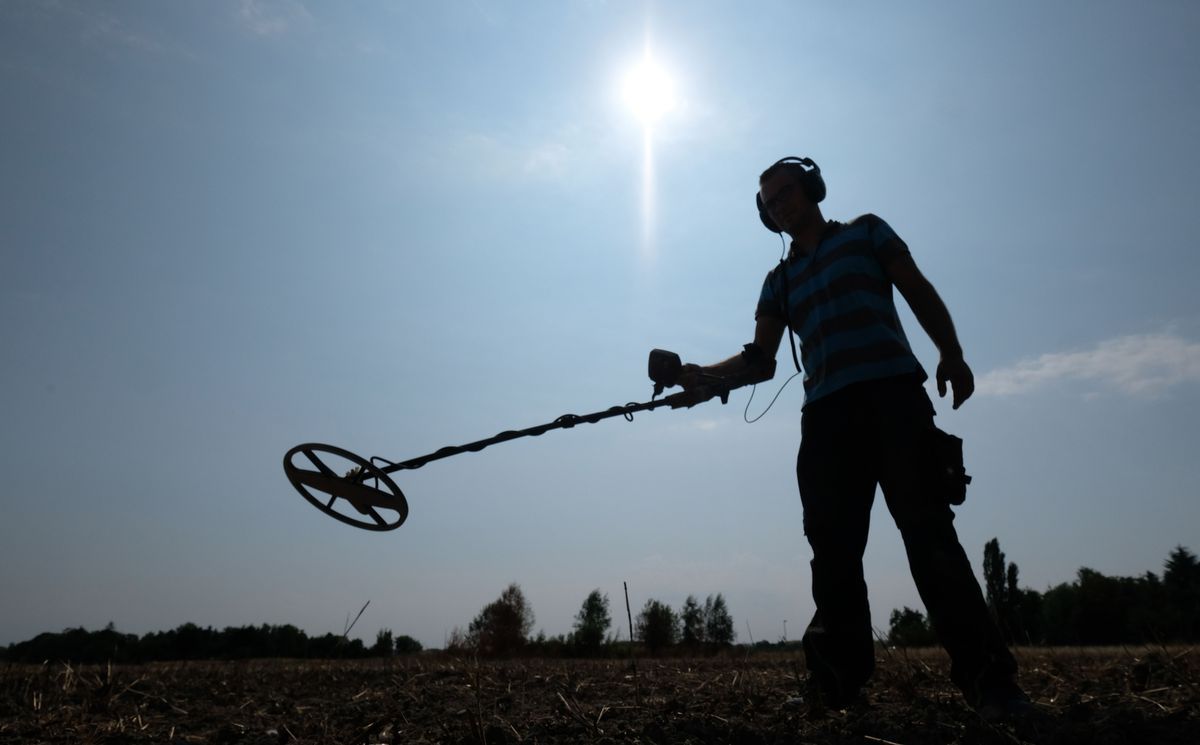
(649, 91)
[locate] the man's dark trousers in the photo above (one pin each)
(878, 433)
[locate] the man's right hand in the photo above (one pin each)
(695, 393)
(954, 370)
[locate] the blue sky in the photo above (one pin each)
(228, 228)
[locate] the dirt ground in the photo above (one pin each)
(1082, 696)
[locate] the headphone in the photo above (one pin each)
(809, 179)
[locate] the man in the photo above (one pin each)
(867, 421)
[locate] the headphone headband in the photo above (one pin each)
(794, 159)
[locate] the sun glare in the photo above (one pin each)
(649, 91)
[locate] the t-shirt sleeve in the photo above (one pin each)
(886, 244)
(768, 299)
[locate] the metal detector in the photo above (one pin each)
(367, 487)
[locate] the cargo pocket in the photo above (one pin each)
(951, 476)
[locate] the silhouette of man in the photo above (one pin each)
(867, 422)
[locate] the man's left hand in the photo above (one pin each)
(955, 371)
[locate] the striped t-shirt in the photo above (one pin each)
(841, 306)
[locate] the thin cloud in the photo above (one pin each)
(106, 26)
(272, 17)
(1137, 365)
(547, 161)
(95, 24)
(504, 159)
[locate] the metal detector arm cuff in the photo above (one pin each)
(759, 367)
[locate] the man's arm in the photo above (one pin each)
(933, 316)
(768, 331)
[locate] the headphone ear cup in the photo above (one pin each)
(767, 222)
(814, 184)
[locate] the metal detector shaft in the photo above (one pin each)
(369, 489)
(566, 421)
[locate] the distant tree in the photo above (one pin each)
(908, 628)
(1060, 610)
(657, 626)
(592, 622)
(459, 642)
(384, 644)
(286, 641)
(1104, 603)
(1011, 622)
(691, 618)
(1097, 609)
(559, 645)
(1006, 599)
(1181, 585)
(718, 624)
(242, 642)
(78, 645)
(1182, 567)
(1028, 628)
(1152, 616)
(503, 626)
(995, 582)
(188, 642)
(405, 644)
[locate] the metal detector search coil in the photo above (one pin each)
(374, 500)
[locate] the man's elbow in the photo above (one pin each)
(759, 365)
(764, 371)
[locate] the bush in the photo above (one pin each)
(908, 628)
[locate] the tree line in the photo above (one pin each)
(192, 642)
(1094, 609)
(503, 628)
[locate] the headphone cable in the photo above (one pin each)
(746, 413)
(754, 388)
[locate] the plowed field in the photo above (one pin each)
(1082, 696)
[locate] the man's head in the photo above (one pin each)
(788, 194)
